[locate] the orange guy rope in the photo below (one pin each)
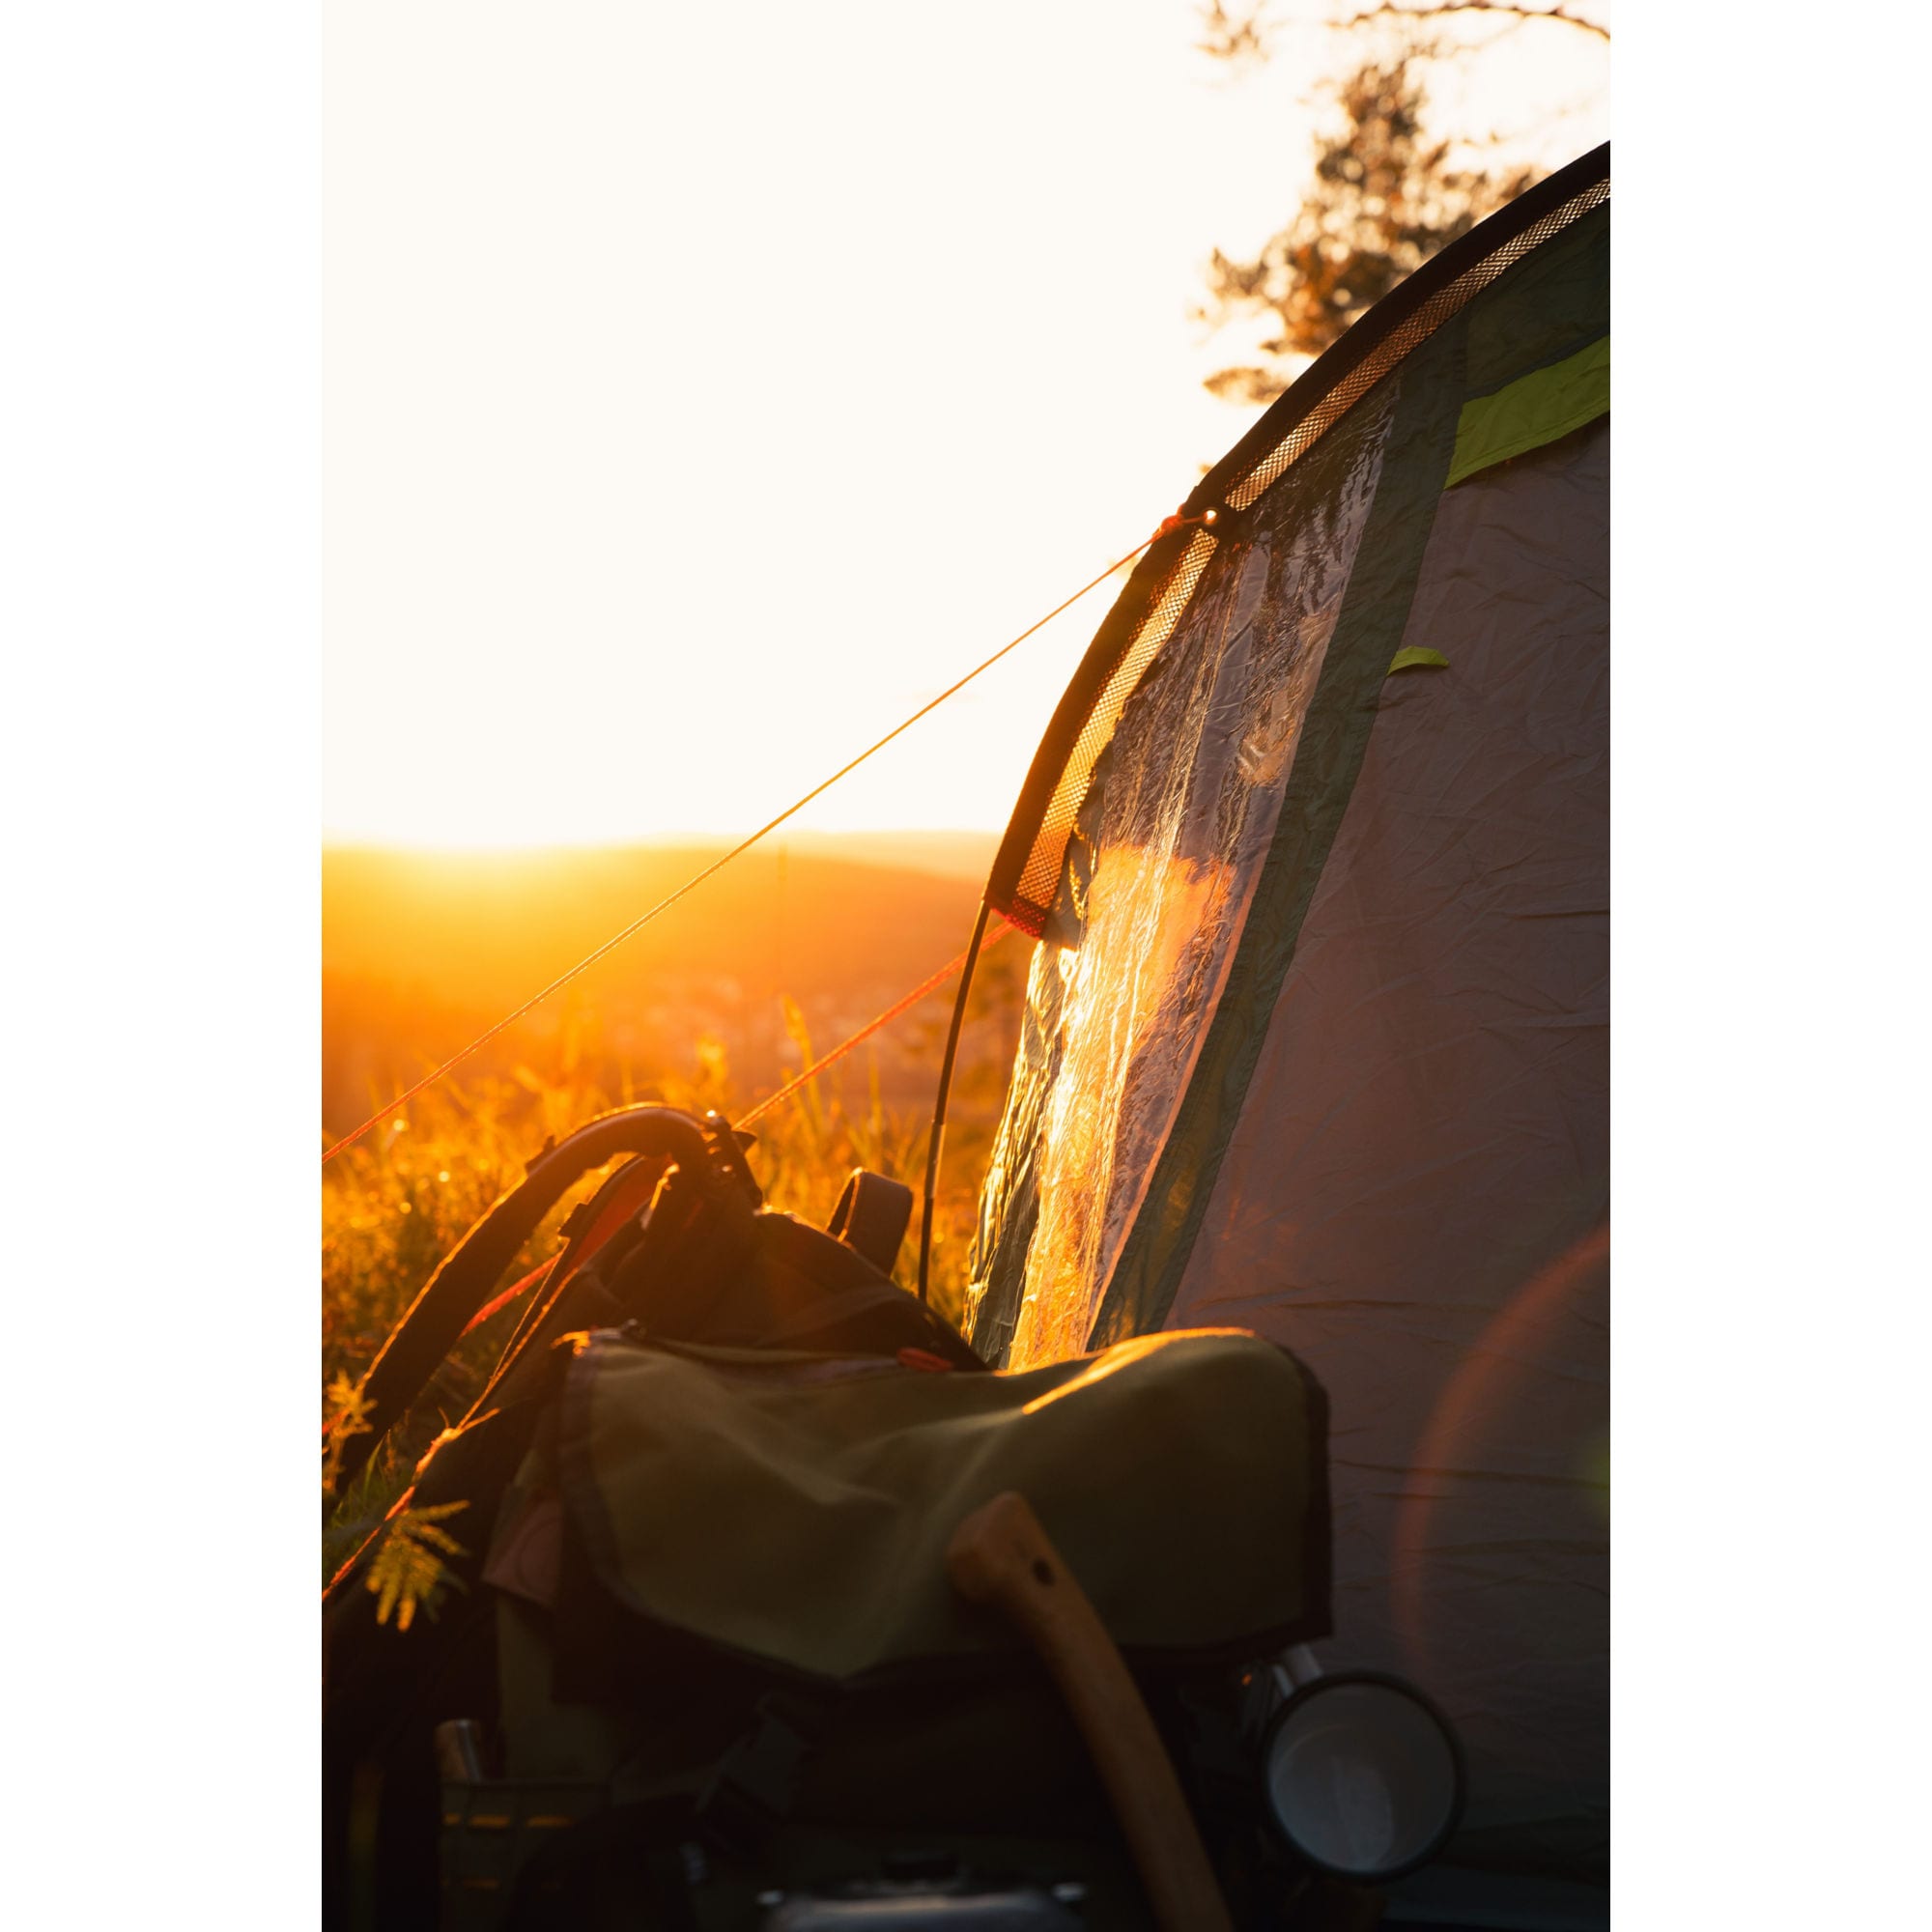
(865, 1031)
(670, 899)
(510, 1293)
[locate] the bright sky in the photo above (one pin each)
(707, 389)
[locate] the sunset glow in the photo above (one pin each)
(695, 409)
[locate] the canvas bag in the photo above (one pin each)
(724, 1624)
(794, 1509)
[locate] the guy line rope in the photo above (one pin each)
(637, 924)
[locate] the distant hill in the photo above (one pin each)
(962, 855)
(494, 926)
(420, 951)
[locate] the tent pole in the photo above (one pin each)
(938, 1134)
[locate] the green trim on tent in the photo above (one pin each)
(1334, 740)
(1417, 657)
(1534, 410)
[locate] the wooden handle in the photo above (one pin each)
(1001, 1557)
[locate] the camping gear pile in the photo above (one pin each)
(781, 1604)
(750, 1617)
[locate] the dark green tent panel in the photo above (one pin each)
(1316, 1038)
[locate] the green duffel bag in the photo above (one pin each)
(723, 1610)
(795, 1509)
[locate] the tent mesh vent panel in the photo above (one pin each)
(1026, 872)
(1041, 876)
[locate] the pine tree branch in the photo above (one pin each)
(1390, 9)
(1232, 38)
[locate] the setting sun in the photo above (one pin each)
(689, 427)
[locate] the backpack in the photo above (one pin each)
(701, 1667)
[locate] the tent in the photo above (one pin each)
(1316, 851)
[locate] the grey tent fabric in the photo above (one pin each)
(1415, 1196)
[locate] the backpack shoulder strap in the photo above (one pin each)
(463, 1283)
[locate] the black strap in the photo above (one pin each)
(569, 1295)
(463, 1283)
(872, 1216)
